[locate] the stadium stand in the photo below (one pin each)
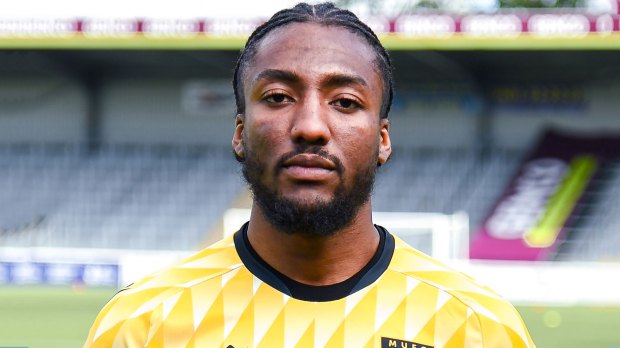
(594, 237)
(116, 197)
(171, 196)
(446, 181)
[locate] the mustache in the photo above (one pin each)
(313, 150)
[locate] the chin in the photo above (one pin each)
(308, 200)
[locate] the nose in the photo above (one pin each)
(310, 122)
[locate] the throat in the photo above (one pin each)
(316, 260)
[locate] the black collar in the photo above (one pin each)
(366, 276)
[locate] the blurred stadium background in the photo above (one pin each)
(115, 161)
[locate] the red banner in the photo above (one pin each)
(502, 24)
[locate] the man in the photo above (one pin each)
(313, 88)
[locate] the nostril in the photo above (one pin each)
(311, 138)
(311, 131)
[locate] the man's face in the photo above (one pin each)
(311, 137)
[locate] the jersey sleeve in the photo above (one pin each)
(500, 324)
(121, 323)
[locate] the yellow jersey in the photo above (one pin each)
(226, 296)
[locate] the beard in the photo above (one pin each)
(315, 217)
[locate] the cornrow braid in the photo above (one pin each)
(325, 14)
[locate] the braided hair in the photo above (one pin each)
(325, 14)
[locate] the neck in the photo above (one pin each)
(316, 260)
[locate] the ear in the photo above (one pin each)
(237, 140)
(385, 144)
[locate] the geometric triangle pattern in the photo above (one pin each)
(212, 300)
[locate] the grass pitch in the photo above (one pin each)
(60, 317)
(573, 327)
(48, 317)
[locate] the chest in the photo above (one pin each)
(382, 315)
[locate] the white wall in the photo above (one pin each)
(601, 114)
(155, 111)
(432, 129)
(41, 110)
(445, 123)
(151, 111)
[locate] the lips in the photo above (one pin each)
(309, 161)
(309, 167)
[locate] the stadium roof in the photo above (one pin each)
(467, 66)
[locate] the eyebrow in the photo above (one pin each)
(278, 75)
(330, 80)
(335, 80)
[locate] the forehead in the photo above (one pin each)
(314, 50)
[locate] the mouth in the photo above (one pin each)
(309, 167)
(308, 160)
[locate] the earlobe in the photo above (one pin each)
(239, 153)
(237, 140)
(384, 156)
(385, 144)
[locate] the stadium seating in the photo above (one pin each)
(595, 236)
(116, 197)
(444, 181)
(170, 197)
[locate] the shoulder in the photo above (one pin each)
(498, 321)
(415, 264)
(211, 262)
(127, 317)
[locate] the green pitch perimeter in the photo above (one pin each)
(45, 317)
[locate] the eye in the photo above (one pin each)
(277, 97)
(346, 103)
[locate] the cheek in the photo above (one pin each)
(263, 138)
(360, 145)
(361, 138)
